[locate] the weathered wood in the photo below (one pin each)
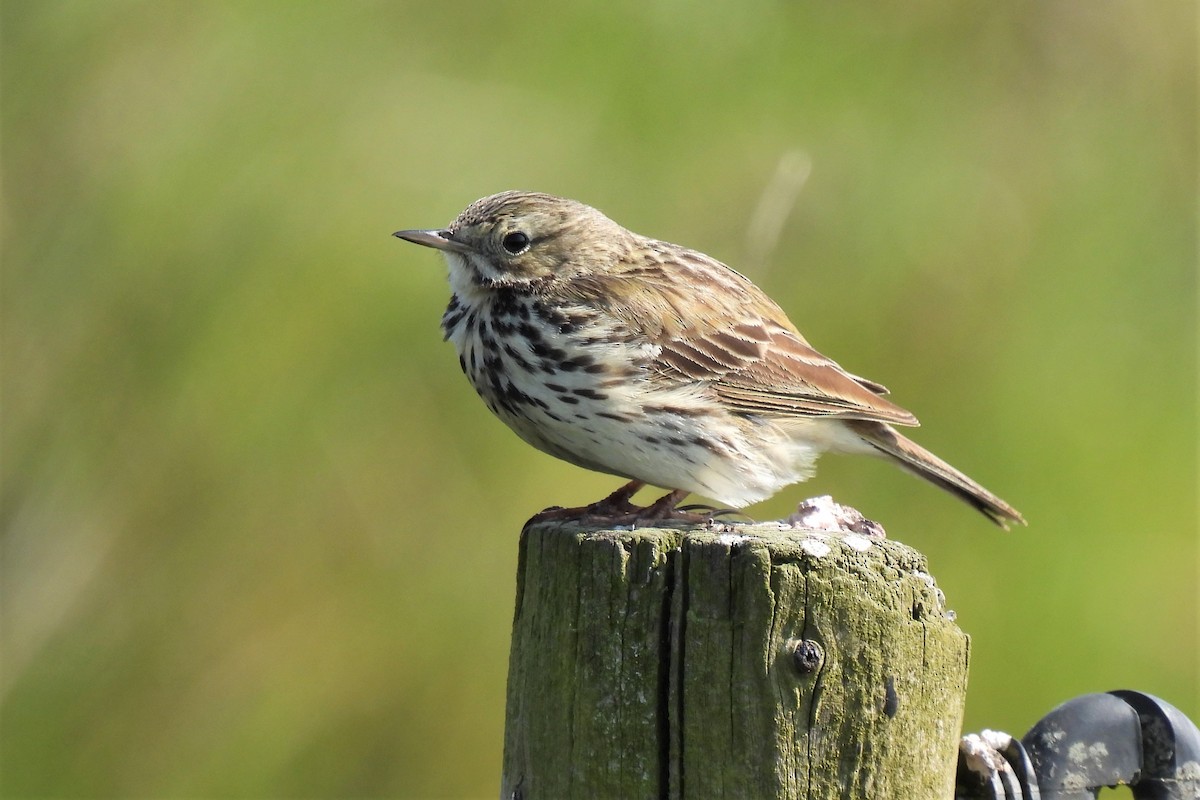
(663, 663)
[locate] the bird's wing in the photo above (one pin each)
(714, 325)
(758, 367)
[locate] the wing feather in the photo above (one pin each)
(714, 325)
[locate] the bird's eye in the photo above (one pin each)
(515, 243)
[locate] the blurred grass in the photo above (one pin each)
(259, 536)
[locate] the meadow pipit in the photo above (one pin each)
(643, 359)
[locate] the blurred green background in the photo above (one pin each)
(260, 536)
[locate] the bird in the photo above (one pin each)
(653, 362)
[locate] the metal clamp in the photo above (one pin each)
(1097, 740)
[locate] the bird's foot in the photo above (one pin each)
(617, 510)
(713, 513)
(616, 504)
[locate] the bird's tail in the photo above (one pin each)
(916, 459)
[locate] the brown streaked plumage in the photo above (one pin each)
(644, 359)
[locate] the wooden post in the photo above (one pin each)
(744, 661)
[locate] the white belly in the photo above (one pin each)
(597, 404)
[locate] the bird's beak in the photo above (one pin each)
(439, 240)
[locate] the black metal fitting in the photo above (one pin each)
(1097, 740)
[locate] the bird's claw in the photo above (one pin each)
(617, 510)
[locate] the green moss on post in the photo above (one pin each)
(754, 662)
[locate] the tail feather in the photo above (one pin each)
(920, 462)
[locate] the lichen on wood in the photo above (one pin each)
(663, 663)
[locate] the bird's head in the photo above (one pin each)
(516, 238)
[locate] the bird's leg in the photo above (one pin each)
(618, 501)
(615, 506)
(617, 510)
(665, 506)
